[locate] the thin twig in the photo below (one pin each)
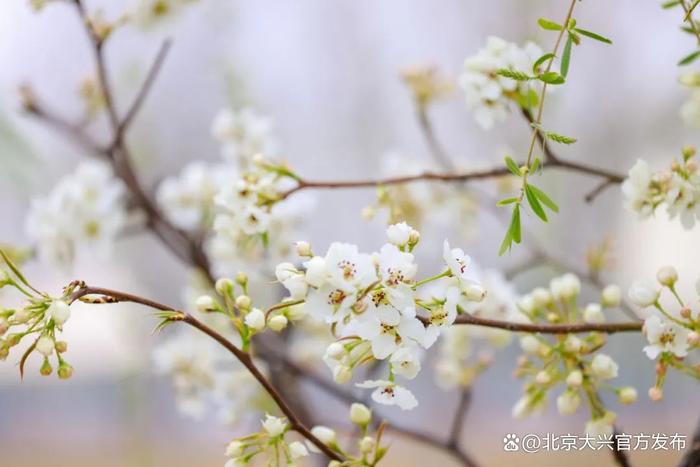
(608, 328)
(692, 456)
(242, 356)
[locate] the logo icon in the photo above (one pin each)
(511, 443)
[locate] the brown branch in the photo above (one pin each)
(243, 357)
(620, 456)
(608, 328)
(692, 456)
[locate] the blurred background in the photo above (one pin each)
(328, 74)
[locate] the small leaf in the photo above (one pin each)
(529, 100)
(549, 25)
(552, 77)
(507, 201)
(515, 232)
(560, 138)
(542, 196)
(512, 74)
(534, 203)
(535, 165)
(540, 61)
(670, 4)
(15, 269)
(505, 244)
(513, 167)
(566, 56)
(24, 358)
(593, 35)
(689, 58)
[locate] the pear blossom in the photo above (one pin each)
(405, 362)
(244, 133)
(568, 402)
(643, 294)
(274, 426)
(488, 94)
(59, 311)
(399, 234)
(389, 329)
(604, 367)
(665, 336)
(389, 393)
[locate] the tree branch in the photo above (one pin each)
(692, 455)
(608, 328)
(243, 357)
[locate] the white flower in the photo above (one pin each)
(255, 319)
(297, 450)
(87, 208)
(574, 378)
(234, 449)
(387, 329)
(244, 133)
(611, 296)
(360, 414)
(316, 271)
(292, 279)
(667, 276)
(602, 426)
(593, 313)
(643, 294)
(604, 367)
(204, 303)
(565, 287)
(274, 426)
(324, 434)
(458, 264)
(486, 92)
(389, 393)
(399, 234)
(348, 269)
(59, 311)
(405, 362)
(45, 346)
(568, 402)
(665, 336)
(637, 191)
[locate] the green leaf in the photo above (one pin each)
(540, 61)
(560, 138)
(513, 167)
(593, 35)
(566, 56)
(689, 58)
(15, 269)
(535, 165)
(515, 232)
(534, 203)
(549, 25)
(542, 196)
(670, 4)
(552, 77)
(505, 244)
(529, 100)
(512, 74)
(507, 201)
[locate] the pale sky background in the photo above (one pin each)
(327, 73)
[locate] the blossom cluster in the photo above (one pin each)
(370, 302)
(489, 94)
(87, 208)
(671, 333)
(40, 318)
(568, 360)
(678, 188)
(270, 442)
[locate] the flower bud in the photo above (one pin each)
(303, 249)
(693, 338)
(316, 271)
(224, 286)
(335, 350)
(274, 426)
(243, 302)
(627, 395)
(21, 316)
(360, 414)
(61, 346)
(667, 276)
(568, 402)
(324, 434)
(530, 344)
(543, 378)
(475, 292)
(413, 238)
(342, 374)
(4, 325)
(689, 151)
(611, 296)
(368, 212)
(367, 445)
(204, 303)
(574, 379)
(541, 297)
(643, 294)
(255, 319)
(234, 449)
(398, 234)
(242, 279)
(593, 313)
(46, 368)
(686, 312)
(573, 344)
(297, 450)
(656, 394)
(604, 367)
(65, 371)
(277, 323)
(45, 346)
(295, 312)
(59, 311)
